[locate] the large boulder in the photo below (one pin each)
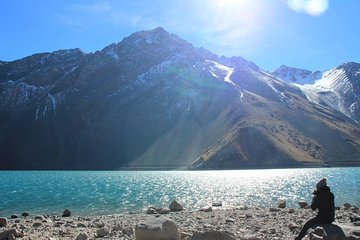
(327, 232)
(175, 206)
(212, 235)
(3, 222)
(157, 228)
(5, 234)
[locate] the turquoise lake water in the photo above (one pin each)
(110, 192)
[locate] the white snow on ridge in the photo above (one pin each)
(224, 70)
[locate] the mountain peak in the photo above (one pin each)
(296, 75)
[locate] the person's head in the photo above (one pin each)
(321, 184)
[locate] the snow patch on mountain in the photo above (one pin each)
(217, 69)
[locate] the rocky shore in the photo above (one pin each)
(213, 222)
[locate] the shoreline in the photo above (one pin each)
(241, 222)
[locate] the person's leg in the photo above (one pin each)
(306, 227)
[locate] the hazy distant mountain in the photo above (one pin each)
(154, 101)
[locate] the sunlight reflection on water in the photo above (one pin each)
(105, 192)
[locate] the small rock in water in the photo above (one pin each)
(175, 206)
(3, 222)
(14, 216)
(66, 213)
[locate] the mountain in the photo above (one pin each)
(153, 101)
(338, 89)
(296, 75)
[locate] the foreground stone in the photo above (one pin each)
(327, 232)
(7, 233)
(157, 228)
(3, 222)
(212, 235)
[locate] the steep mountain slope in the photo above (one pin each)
(153, 101)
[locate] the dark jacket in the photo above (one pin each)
(323, 201)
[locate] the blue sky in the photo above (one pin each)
(309, 34)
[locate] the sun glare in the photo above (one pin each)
(235, 23)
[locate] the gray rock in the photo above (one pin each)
(66, 213)
(11, 237)
(274, 209)
(291, 210)
(25, 214)
(81, 225)
(37, 224)
(3, 222)
(175, 206)
(39, 217)
(282, 204)
(151, 210)
(102, 232)
(5, 234)
(327, 232)
(157, 228)
(347, 205)
(99, 224)
(128, 231)
(303, 204)
(217, 204)
(293, 226)
(355, 218)
(206, 209)
(82, 236)
(163, 210)
(212, 235)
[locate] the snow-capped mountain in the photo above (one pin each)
(337, 89)
(155, 101)
(295, 75)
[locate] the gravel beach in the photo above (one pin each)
(239, 222)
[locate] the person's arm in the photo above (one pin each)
(315, 203)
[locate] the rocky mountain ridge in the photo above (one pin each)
(153, 101)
